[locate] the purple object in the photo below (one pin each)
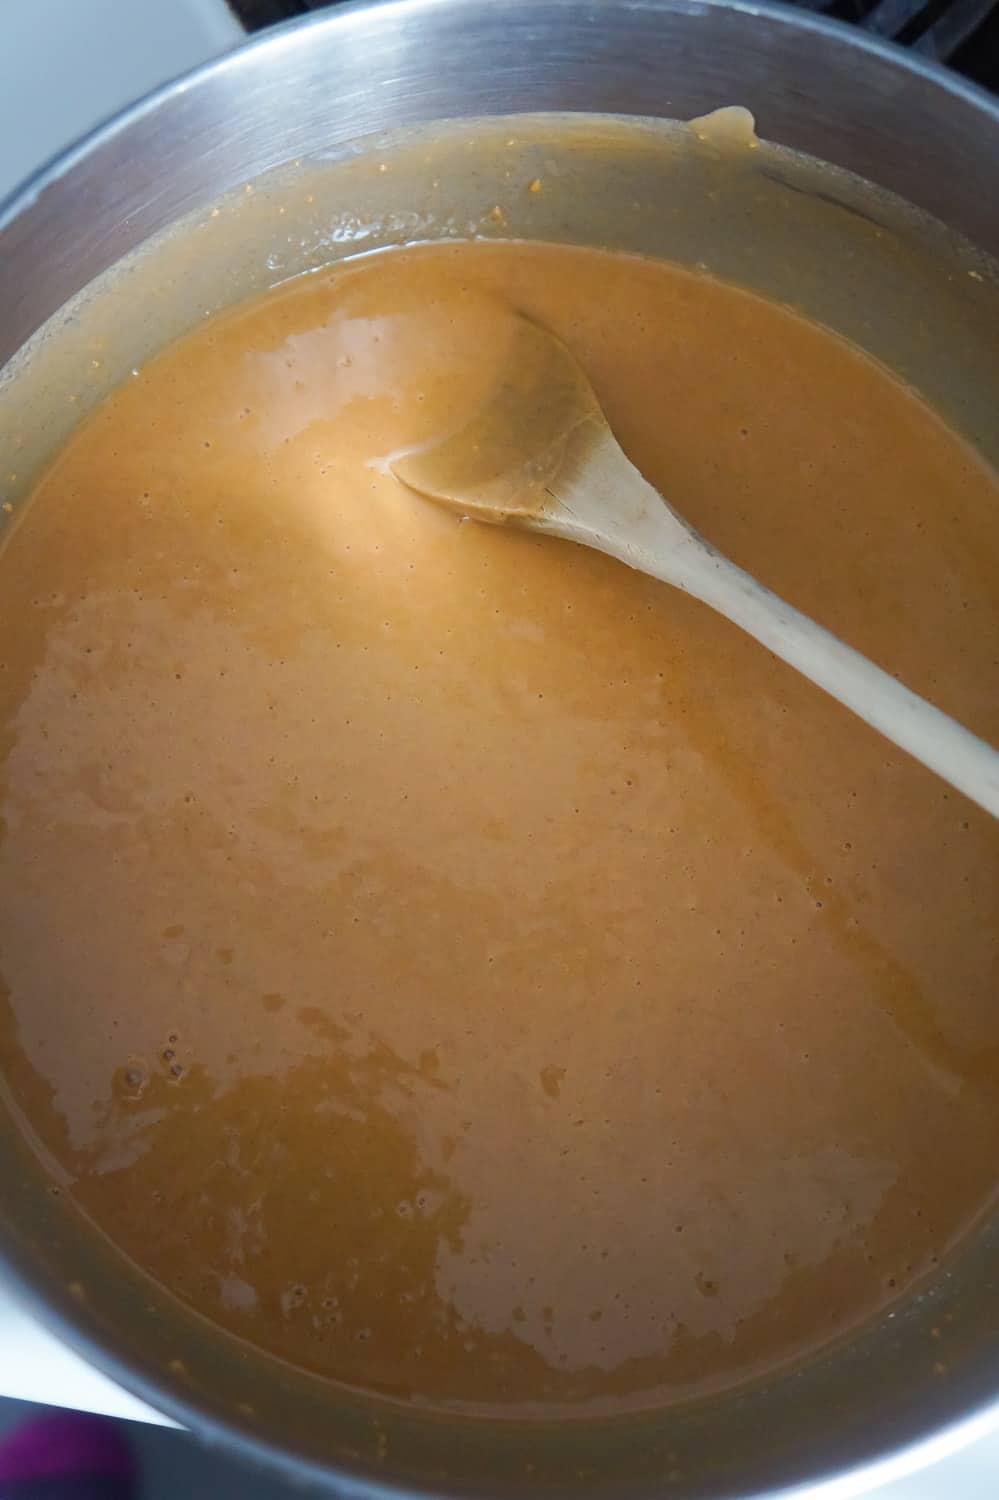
(66, 1456)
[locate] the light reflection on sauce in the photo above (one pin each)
(453, 962)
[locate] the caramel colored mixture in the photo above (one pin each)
(448, 960)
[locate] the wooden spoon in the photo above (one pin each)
(540, 454)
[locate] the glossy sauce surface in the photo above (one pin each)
(448, 960)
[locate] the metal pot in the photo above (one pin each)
(924, 1379)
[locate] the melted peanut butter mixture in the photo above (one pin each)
(452, 962)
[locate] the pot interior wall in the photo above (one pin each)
(896, 283)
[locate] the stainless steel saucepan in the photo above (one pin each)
(905, 266)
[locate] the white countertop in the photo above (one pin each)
(35, 1366)
(64, 66)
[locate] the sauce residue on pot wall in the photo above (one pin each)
(447, 960)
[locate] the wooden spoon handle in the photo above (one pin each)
(607, 504)
(970, 764)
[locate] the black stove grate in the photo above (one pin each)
(936, 28)
(964, 34)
